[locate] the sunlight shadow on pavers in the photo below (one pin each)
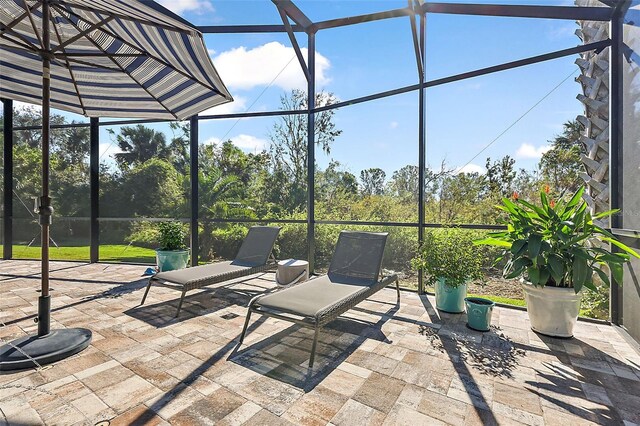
(588, 383)
(285, 355)
(121, 290)
(464, 348)
(196, 304)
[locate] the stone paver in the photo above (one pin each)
(387, 365)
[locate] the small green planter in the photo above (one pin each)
(479, 312)
(450, 299)
(171, 260)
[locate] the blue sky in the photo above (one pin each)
(359, 60)
(367, 58)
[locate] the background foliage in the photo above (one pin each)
(149, 177)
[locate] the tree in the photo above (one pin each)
(231, 160)
(372, 181)
(405, 183)
(460, 198)
(500, 176)
(288, 149)
(335, 181)
(561, 165)
(152, 188)
(223, 179)
(179, 146)
(31, 116)
(72, 145)
(138, 145)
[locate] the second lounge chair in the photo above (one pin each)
(254, 256)
(354, 275)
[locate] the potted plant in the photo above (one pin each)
(557, 250)
(479, 312)
(449, 260)
(173, 253)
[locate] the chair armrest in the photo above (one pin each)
(389, 279)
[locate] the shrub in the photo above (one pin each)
(449, 253)
(227, 239)
(172, 235)
(144, 234)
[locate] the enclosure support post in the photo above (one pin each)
(421, 145)
(311, 155)
(615, 139)
(193, 160)
(7, 220)
(94, 188)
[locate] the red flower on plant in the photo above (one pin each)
(552, 203)
(515, 195)
(546, 189)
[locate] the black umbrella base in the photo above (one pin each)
(58, 344)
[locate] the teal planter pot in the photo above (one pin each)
(479, 312)
(170, 260)
(450, 299)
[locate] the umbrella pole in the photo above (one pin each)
(48, 345)
(45, 210)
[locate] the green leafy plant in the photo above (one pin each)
(557, 243)
(172, 235)
(448, 253)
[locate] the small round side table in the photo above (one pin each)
(292, 271)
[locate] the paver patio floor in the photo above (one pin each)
(380, 364)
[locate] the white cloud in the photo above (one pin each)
(182, 6)
(470, 168)
(393, 124)
(239, 104)
(250, 143)
(243, 68)
(528, 151)
(243, 141)
(107, 150)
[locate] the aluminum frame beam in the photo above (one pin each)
(311, 153)
(422, 142)
(7, 220)
(470, 74)
(294, 42)
(247, 29)
(195, 186)
(520, 11)
(94, 188)
(417, 47)
(294, 13)
(616, 131)
(359, 19)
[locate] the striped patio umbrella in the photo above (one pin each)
(99, 58)
(108, 58)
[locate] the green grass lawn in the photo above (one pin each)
(108, 253)
(521, 302)
(133, 254)
(500, 299)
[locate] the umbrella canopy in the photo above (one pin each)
(109, 58)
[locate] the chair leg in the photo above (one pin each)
(313, 347)
(398, 290)
(180, 303)
(244, 329)
(146, 292)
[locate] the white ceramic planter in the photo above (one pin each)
(553, 311)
